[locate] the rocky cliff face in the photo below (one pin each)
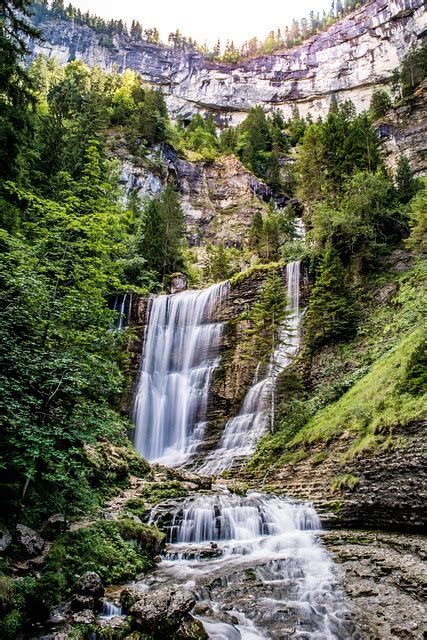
(219, 199)
(350, 59)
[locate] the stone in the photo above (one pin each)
(80, 602)
(5, 538)
(30, 540)
(161, 612)
(179, 282)
(114, 625)
(89, 584)
(128, 597)
(191, 629)
(84, 617)
(53, 526)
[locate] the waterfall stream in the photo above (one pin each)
(242, 432)
(256, 566)
(181, 352)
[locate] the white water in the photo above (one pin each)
(110, 610)
(260, 556)
(181, 351)
(124, 307)
(242, 432)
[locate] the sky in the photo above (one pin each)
(236, 20)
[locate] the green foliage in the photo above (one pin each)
(415, 378)
(218, 265)
(406, 185)
(162, 233)
(265, 318)
(345, 481)
(380, 104)
(332, 150)
(331, 312)
(417, 240)
(413, 69)
(104, 547)
(366, 218)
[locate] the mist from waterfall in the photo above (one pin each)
(242, 432)
(181, 352)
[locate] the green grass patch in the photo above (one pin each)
(373, 406)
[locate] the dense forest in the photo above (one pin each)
(71, 243)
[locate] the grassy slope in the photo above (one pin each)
(356, 387)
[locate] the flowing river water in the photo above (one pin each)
(255, 562)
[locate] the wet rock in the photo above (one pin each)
(128, 597)
(84, 617)
(89, 584)
(59, 615)
(29, 539)
(161, 612)
(191, 629)
(5, 538)
(80, 603)
(113, 627)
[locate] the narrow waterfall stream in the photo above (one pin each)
(242, 432)
(181, 351)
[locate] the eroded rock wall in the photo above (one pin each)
(350, 59)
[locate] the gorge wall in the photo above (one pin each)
(350, 59)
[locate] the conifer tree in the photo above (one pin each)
(331, 313)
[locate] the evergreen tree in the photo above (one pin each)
(255, 231)
(404, 181)
(331, 312)
(380, 103)
(15, 85)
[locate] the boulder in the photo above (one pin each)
(161, 612)
(128, 597)
(191, 629)
(89, 584)
(84, 617)
(53, 526)
(80, 602)
(30, 540)
(5, 538)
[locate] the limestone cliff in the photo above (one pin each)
(350, 59)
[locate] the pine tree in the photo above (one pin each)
(255, 232)
(331, 313)
(15, 85)
(404, 181)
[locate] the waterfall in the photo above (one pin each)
(242, 432)
(122, 304)
(228, 548)
(181, 351)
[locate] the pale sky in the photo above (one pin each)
(236, 20)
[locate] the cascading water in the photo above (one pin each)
(181, 351)
(255, 563)
(242, 432)
(258, 556)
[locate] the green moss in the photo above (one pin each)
(104, 547)
(238, 278)
(155, 492)
(336, 506)
(137, 507)
(344, 482)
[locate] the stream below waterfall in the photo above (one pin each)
(256, 565)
